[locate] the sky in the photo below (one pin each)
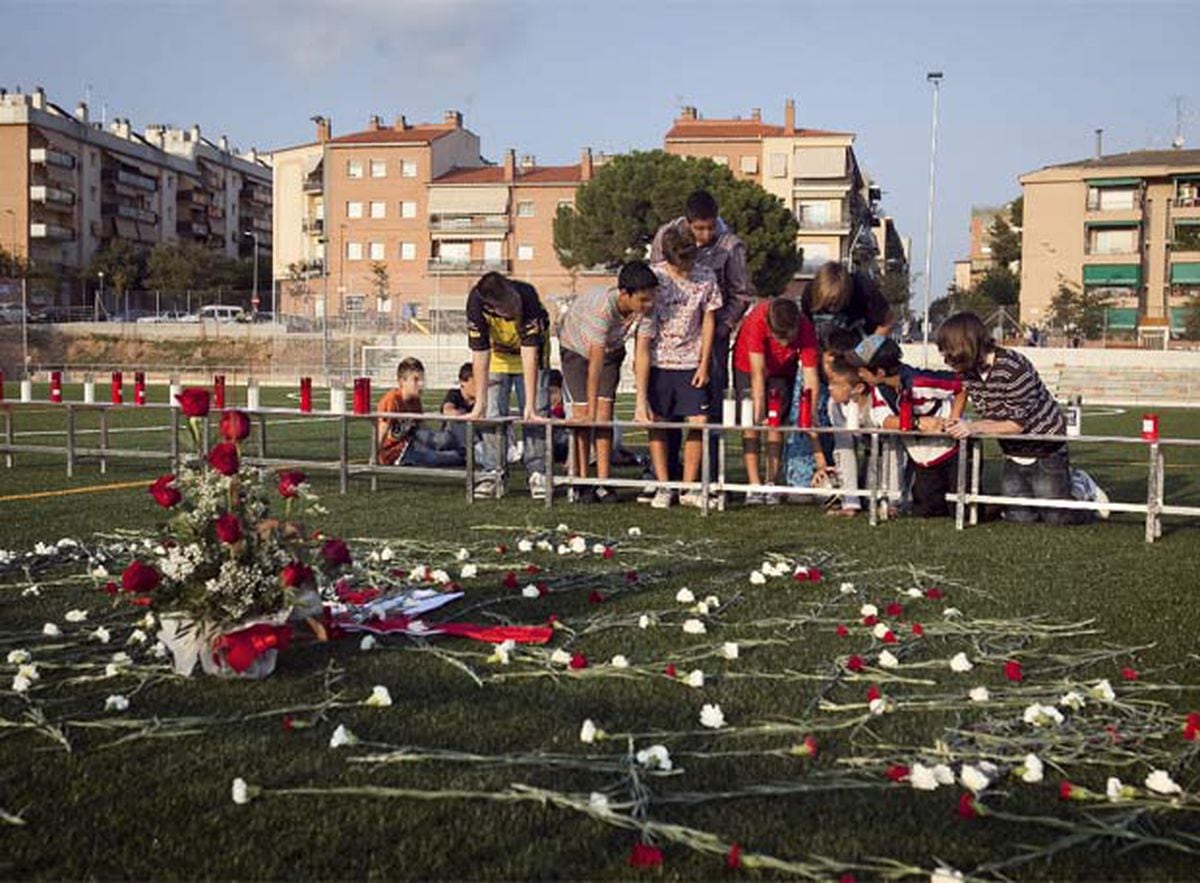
(1026, 81)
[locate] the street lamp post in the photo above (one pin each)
(99, 297)
(934, 77)
(254, 294)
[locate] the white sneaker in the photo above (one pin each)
(485, 489)
(663, 498)
(772, 499)
(537, 485)
(1084, 488)
(647, 494)
(754, 498)
(695, 499)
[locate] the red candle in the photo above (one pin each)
(118, 390)
(56, 386)
(362, 395)
(774, 407)
(139, 388)
(306, 394)
(806, 409)
(906, 410)
(1150, 427)
(219, 391)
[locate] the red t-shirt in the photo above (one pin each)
(755, 337)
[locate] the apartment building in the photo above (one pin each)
(814, 172)
(1127, 224)
(70, 185)
(406, 217)
(970, 270)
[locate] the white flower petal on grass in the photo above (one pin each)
(869, 610)
(693, 627)
(241, 792)
(1103, 691)
(943, 774)
(116, 702)
(367, 643)
(656, 757)
(644, 621)
(1160, 782)
(973, 778)
(888, 660)
(730, 650)
(598, 802)
(1072, 700)
(102, 635)
(524, 546)
(635, 531)
(76, 615)
(695, 678)
(530, 591)
(379, 698)
(560, 657)
(914, 593)
(880, 630)
(578, 545)
(619, 661)
(342, 736)
(1042, 715)
(960, 663)
(846, 588)
(50, 630)
(757, 579)
(979, 694)
(712, 717)
(1032, 770)
(685, 596)
(18, 657)
(945, 875)
(922, 778)
(462, 554)
(469, 571)
(31, 592)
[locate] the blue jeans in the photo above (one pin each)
(494, 461)
(1047, 478)
(432, 448)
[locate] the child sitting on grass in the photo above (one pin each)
(403, 441)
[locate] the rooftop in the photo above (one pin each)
(422, 134)
(1170, 157)
(495, 175)
(728, 129)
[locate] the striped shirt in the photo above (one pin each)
(1012, 390)
(594, 320)
(932, 396)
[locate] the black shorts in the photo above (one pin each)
(672, 396)
(784, 386)
(575, 374)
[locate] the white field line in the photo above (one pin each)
(119, 430)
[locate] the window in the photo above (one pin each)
(815, 254)
(820, 162)
(525, 208)
(354, 168)
(1109, 240)
(492, 251)
(408, 209)
(408, 168)
(778, 165)
(1111, 199)
(408, 251)
(383, 304)
(818, 214)
(749, 165)
(355, 303)
(721, 160)
(378, 251)
(378, 168)
(454, 252)
(354, 251)
(524, 252)
(354, 210)
(378, 209)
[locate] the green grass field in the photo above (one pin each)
(146, 793)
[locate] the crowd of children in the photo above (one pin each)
(824, 359)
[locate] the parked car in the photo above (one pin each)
(10, 314)
(129, 315)
(216, 313)
(166, 316)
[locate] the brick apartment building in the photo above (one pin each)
(69, 185)
(970, 270)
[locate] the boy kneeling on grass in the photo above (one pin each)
(593, 334)
(403, 441)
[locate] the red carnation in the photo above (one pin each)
(670, 671)
(935, 594)
(578, 661)
(1012, 671)
(733, 858)
(843, 632)
(229, 528)
(815, 574)
(193, 402)
(224, 458)
(501, 549)
(966, 806)
(801, 575)
(873, 693)
(295, 575)
(608, 552)
(140, 578)
(869, 621)
(595, 598)
(510, 580)
(918, 629)
(1190, 732)
(645, 856)
(543, 588)
(164, 493)
(807, 748)
(631, 576)
(533, 568)
(855, 663)
(335, 552)
(288, 723)
(897, 772)
(1066, 790)
(110, 588)
(895, 610)
(1129, 674)
(290, 481)
(889, 637)
(846, 878)
(234, 426)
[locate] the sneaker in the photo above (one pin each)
(485, 489)
(695, 499)
(1084, 487)
(772, 499)
(516, 452)
(581, 495)
(605, 495)
(755, 498)
(537, 485)
(662, 499)
(647, 494)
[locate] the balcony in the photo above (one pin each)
(478, 225)
(132, 179)
(314, 184)
(827, 224)
(46, 157)
(443, 265)
(195, 197)
(51, 195)
(191, 228)
(134, 214)
(51, 231)
(314, 226)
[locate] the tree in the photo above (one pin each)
(11, 265)
(1080, 310)
(382, 284)
(617, 213)
(122, 264)
(959, 300)
(896, 287)
(1016, 212)
(1005, 242)
(1000, 286)
(179, 266)
(1191, 319)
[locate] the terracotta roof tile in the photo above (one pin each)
(721, 129)
(411, 135)
(495, 175)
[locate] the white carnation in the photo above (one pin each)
(685, 596)
(712, 717)
(880, 630)
(469, 571)
(656, 757)
(530, 591)
(922, 778)
(560, 657)
(1103, 691)
(342, 736)
(367, 643)
(379, 698)
(1160, 782)
(757, 579)
(695, 678)
(960, 663)
(116, 702)
(730, 650)
(868, 610)
(619, 661)
(524, 546)
(973, 778)
(18, 657)
(888, 660)
(693, 627)
(76, 615)
(1032, 771)
(1072, 700)
(578, 545)
(979, 694)
(241, 793)
(635, 531)
(50, 630)
(462, 555)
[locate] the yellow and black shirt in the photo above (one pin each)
(505, 337)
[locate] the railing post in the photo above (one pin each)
(174, 439)
(1162, 491)
(549, 460)
(103, 441)
(70, 441)
(374, 459)
(960, 507)
(470, 452)
(721, 465)
(262, 436)
(344, 452)
(976, 448)
(873, 482)
(704, 467)
(9, 437)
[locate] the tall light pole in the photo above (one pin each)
(934, 77)
(100, 296)
(254, 294)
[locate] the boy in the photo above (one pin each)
(773, 341)
(938, 397)
(508, 331)
(1011, 400)
(558, 411)
(404, 442)
(592, 335)
(458, 403)
(674, 344)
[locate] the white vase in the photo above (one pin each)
(190, 643)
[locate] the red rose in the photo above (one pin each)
(543, 589)
(532, 569)
(234, 426)
(140, 578)
(510, 580)
(1012, 671)
(843, 632)
(229, 528)
(595, 598)
(1129, 674)
(895, 610)
(164, 493)
(631, 576)
(193, 402)
(918, 629)
(295, 575)
(889, 637)
(897, 772)
(290, 481)
(873, 693)
(110, 588)
(645, 856)
(670, 671)
(966, 806)
(869, 621)
(855, 663)
(733, 858)
(607, 553)
(224, 458)
(579, 661)
(934, 594)
(335, 552)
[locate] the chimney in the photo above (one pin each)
(375, 123)
(789, 117)
(223, 143)
(39, 97)
(253, 155)
(756, 114)
(528, 161)
(585, 165)
(401, 123)
(510, 165)
(1099, 143)
(687, 112)
(81, 112)
(196, 134)
(452, 118)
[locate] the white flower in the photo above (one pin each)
(1103, 691)
(635, 531)
(598, 801)
(241, 793)
(846, 588)
(116, 702)
(654, 757)
(100, 572)
(502, 652)
(160, 650)
(18, 657)
(869, 610)
(880, 631)
(562, 528)
(67, 542)
(560, 657)
(757, 579)
(31, 592)
(951, 612)
(50, 630)
(469, 571)
(979, 694)
(589, 732)
(943, 774)
(147, 621)
(112, 670)
(701, 608)
(578, 545)
(945, 875)
(417, 627)
(914, 593)
(462, 555)
(121, 658)
(960, 663)
(685, 596)
(367, 643)
(922, 778)
(21, 683)
(1031, 771)
(387, 554)
(887, 660)
(1161, 783)
(76, 615)
(1072, 700)
(564, 549)
(644, 621)
(712, 717)
(440, 577)
(1116, 790)
(877, 706)
(102, 635)
(530, 591)
(693, 627)
(599, 549)
(29, 671)
(730, 650)
(137, 636)
(418, 573)
(524, 546)
(545, 545)
(342, 736)
(973, 778)
(1042, 715)
(379, 698)
(695, 678)
(619, 661)
(712, 601)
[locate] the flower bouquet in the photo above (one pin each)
(226, 576)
